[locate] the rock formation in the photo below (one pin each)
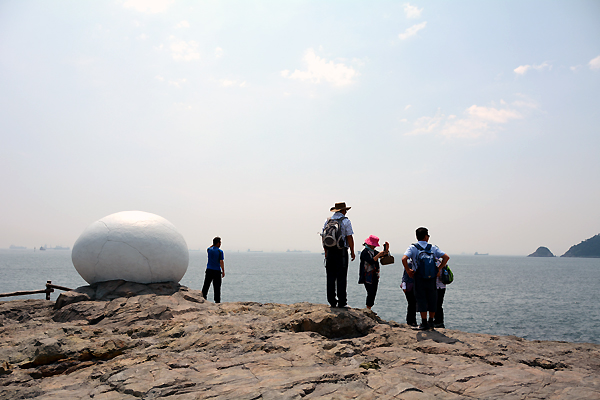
(542, 252)
(118, 340)
(588, 248)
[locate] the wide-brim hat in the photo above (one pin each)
(339, 207)
(372, 241)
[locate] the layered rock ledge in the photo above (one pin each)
(119, 340)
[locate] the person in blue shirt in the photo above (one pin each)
(215, 270)
(425, 289)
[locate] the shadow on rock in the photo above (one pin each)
(436, 336)
(334, 323)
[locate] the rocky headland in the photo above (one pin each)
(120, 340)
(589, 248)
(542, 252)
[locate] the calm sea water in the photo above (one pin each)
(534, 298)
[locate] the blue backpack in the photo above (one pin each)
(426, 266)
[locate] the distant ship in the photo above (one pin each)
(254, 251)
(481, 254)
(42, 248)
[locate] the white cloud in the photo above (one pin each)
(230, 83)
(143, 36)
(182, 24)
(492, 114)
(525, 103)
(185, 51)
(148, 6)
(427, 124)
(477, 121)
(178, 82)
(218, 52)
(412, 11)
(407, 107)
(467, 128)
(412, 30)
(595, 63)
(522, 69)
(183, 105)
(319, 69)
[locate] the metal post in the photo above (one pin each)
(48, 289)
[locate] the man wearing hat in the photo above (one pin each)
(336, 259)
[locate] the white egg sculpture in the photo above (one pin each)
(134, 246)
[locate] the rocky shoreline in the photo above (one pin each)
(120, 340)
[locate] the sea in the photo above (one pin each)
(533, 298)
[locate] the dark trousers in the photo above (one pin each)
(336, 266)
(439, 312)
(213, 276)
(371, 292)
(411, 309)
(426, 294)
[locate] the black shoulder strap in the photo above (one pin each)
(418, 246)
(428, 248)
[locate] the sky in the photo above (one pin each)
(250, 119)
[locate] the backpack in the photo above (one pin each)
(426, 266)
(447, 276)
(332, 233)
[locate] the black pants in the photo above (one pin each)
(336, 266)
(426, 294)
(411, 309)
(371, 292)
(213, 276)
(439, 312)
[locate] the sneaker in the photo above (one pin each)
(430, 324)
(424, 326)
(413, 324)
(439, 325)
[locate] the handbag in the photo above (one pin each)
(447, 277)
(387, 259)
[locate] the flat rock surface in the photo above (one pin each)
(118, 340)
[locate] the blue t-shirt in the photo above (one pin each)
(215, 255)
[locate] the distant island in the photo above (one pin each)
(481, 254)
(588, 248)
(542, 252)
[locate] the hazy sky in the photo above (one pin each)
(250, 119)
